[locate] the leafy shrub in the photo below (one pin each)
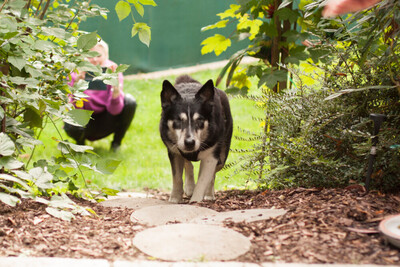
(320, 134)
(40, 44)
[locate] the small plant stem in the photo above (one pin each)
(45, 9)
(2, 6)
(38, 8)
(73, 157)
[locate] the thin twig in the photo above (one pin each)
(45, 9)
(38, 8)
(2, 6)
(69, 24)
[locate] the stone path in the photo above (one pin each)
(182, 232)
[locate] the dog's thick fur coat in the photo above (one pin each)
(196, 124)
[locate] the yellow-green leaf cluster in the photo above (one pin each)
(217, 44)
(144, 32)
(254, 25)
(124, 8)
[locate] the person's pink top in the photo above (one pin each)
(99, 101)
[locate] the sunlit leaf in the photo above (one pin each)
(217, 44)
(18, 62)
(61, 214)
(10, 163)
(139, 8)
(144, 32)
(123, 9)
(87, 41)
(148, 2)
(107, 166)
(78, 117)
(9, 199)
(219, 24)
(7, 146)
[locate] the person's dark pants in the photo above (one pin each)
(103, 124)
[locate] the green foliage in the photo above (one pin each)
(318, 133)
(271, 27)
(40, 45)
(124, 9)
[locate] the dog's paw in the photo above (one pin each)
(189, 190)
(196, 199)
(176, 200)
(209, 198)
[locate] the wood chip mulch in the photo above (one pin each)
(321, 226)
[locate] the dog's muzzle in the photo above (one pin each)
(190, 143)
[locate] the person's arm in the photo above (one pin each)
(116, 103)
(338, 7)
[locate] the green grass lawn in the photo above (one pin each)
(144, 157)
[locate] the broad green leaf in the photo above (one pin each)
(109, 191)
(10, 163)
(219, 24)
(87, 41)
(9, 199)
(144, 32)
(254, 25)
(230, 13)
(76, 148)
(122, 68)
(123, 9)
(217, 44)
(148, 2)
(139, 8)
(56, 32)
(272, 78)
(1, 113)
(33, 71)
(17, 62)
(87, 66)
(14, 179)
(78, 117)
(44, 45)
(61, 214)
(287, 14)
(42, 178)
(7, 146)
(22, 193)
(297, 54)
(107, 166)
(33, 118)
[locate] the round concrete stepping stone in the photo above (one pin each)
(189, 242)
(163, 214)
(131, 194)
(133, 203)
(250, 215)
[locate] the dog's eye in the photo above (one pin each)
(200, 123)
(177, 124)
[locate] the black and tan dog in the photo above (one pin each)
(196, 124)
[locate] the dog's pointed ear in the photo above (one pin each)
(168, 94)
(206, 92)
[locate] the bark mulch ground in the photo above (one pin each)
(321, 226)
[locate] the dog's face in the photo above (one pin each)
(187, 116)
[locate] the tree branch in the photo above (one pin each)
(45, 9)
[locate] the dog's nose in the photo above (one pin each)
(189, 143)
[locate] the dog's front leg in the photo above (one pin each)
(206, 177)
(177, 163)
(189, 178)
(209, 195)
